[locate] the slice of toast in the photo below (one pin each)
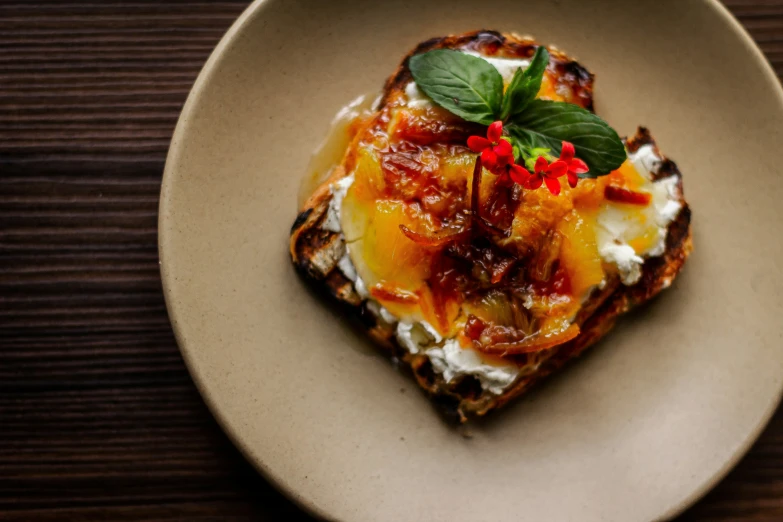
(316, 250)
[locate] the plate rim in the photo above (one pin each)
(167, 186)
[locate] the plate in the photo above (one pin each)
(637, 429)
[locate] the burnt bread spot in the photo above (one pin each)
(469, 388)
(301, 219)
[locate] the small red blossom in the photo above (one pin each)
(574, 166)
(519, 174)
(548, 173)
(496, 152)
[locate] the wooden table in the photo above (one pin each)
(99, 419)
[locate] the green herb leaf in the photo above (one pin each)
(547, 124)
(524, 85)
(463, 84)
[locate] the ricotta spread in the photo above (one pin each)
(620, 224)
(452, 360)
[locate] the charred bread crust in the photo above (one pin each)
(315, 253)
(493, 43)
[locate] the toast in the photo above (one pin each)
(318, 248)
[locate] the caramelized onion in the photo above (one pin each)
(500, 269)
(498, 308)
(495, 307)
(446, 286)
(474, 327)
(475, 210)
(521, 317)
(533, 343)
(442, 238)
(558, 284)
(548, 252)
(623, 195)
(384, 292)
(437, 239)
(425, 131)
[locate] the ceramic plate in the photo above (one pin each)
(637, 429)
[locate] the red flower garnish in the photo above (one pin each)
(574, 166)
(496, 152)
(548, 173)
(519, 174)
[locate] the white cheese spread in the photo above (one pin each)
(618, 224)
(338, 190)
(416, 98)
(349, 271)
(629, 265)
(505, 66)
(452, 360)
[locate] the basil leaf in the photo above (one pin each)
(548, 123)
(465, 85)
(525, 85)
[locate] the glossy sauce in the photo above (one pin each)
(331, 150)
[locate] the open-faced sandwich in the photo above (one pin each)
(484, 225)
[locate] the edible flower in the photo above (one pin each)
(496, 152)
(519, 174)
(574, 166)
(548, 173)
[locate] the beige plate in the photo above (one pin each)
(636, 430)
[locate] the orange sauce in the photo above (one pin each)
(332, 149)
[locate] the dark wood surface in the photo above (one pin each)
(99, 419)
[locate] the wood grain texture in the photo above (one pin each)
(99, 419)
